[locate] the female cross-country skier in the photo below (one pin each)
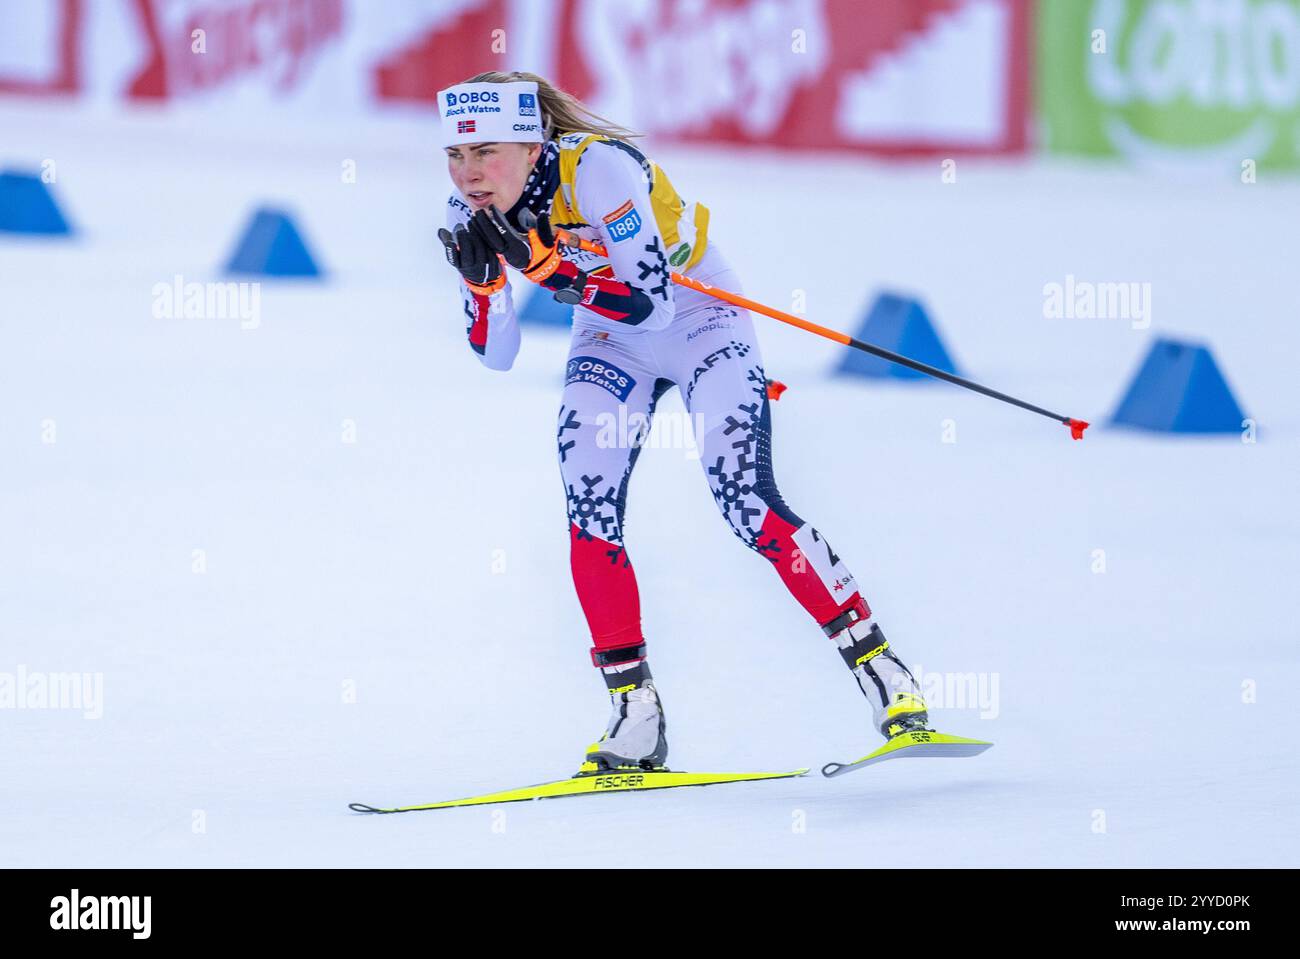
(527, 158)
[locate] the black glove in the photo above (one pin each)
(468, 253)
(533, 252)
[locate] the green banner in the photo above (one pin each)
(1176, 83)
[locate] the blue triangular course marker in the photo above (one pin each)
(1179, 389)
(272, 246)
(27, 206)
(899, 324)
(541, 309)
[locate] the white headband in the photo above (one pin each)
(491, 113)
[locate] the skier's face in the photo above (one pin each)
(491, 173)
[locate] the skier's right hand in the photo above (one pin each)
(480, 267)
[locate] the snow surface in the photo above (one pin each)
(226, 738)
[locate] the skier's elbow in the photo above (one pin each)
(496, 347)
(648, 312)
(657, 321)
(661, 315)
(501, 364)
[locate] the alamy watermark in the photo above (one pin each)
(179, 300)
(1085, 300)
(75, 912)
(671, 430)
(955, 690)
(39, 690)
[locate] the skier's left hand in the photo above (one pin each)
(534, 254)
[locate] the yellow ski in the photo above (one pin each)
(918, 743)
(586, 783)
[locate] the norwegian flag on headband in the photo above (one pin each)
(487, 112)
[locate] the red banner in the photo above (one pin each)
(53, 33)
(890, 77)
(886, 76)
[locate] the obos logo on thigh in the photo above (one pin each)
(602, 373)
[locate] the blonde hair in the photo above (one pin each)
(564, 112)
